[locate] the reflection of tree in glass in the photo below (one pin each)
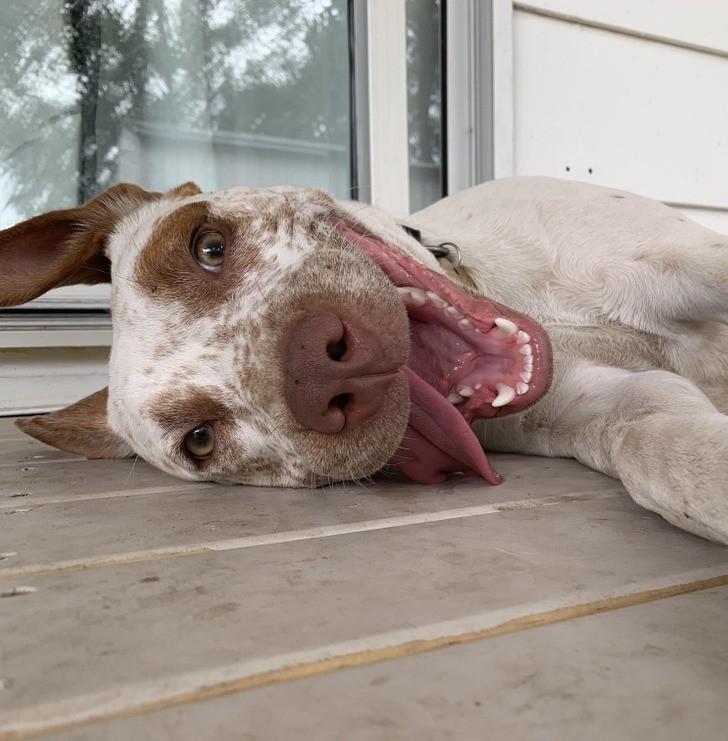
(423, 81)
(78, 76)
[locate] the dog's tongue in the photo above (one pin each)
(438, 440)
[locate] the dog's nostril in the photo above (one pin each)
(340, 401)
(336, 350)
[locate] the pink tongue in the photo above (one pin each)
(438, 440)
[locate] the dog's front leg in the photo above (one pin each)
(654, 430)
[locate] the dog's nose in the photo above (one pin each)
(337, 372)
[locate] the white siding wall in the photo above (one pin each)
(627, 93)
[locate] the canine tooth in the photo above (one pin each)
(528, 362)
(436, 300)
(521, 388)
(505, 395)
(454, 398)
(523, 337)
(508, 327)
(466, 324)
(412, 296)
(526, 376)
(453, 312)
(525, 350)
(466, 390)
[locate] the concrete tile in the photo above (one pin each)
(654, 671)
(87, 638)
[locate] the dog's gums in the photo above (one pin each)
(469, 358)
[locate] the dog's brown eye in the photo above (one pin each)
(201, 441)
(209, 249)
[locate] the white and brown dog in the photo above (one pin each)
(279, 337)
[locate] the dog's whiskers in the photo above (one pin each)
(131, 470)
(112, 274)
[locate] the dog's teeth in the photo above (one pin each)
(435, 300)
(528, 362)
(412, 296)
(453, 312)
(466, 391)
(454, 398)
(466, 324)
(521, 388)
(523, 337)
(525, 350)
(526, 376)
(505, 395)
(507, 327)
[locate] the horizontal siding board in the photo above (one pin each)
(642, 116)
(702, 23)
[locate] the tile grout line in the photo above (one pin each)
(146, 697)
(291, 536)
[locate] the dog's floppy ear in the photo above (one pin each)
(63, 248)
(81, 428)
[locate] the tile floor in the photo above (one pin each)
(135, 606)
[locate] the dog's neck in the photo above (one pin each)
(448, 255)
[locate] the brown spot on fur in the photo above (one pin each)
(163, 351)
(168, 271)
(183, 191)
(178, 411)
(621, 198)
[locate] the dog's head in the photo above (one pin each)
(274, 337)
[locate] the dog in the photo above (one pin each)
(279, 337)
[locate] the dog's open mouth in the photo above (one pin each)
(470, 358)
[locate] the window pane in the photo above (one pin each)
(223, 92)
(424, 101)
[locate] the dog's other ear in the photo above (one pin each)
(63, 248)
(81, 428)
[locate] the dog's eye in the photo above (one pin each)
(209, 250)
(200, 442)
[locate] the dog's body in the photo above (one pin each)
(291, 348)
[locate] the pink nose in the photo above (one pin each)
(337, 372)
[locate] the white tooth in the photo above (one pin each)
(478, 385)
(525, 350)
(466, 390)
(528, 362)
(523, 337)
(466, 324)
(521, 388)
(435, 300)
(412, 296)
(508, 327)
(505, 395)
(526, 377)
(454, 398)
(453, 312)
